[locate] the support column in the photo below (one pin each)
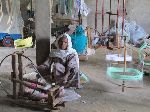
(42, 30)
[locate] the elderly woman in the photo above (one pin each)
(63, 64)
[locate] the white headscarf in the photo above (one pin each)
(64, 53)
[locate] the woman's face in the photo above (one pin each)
(63, 43)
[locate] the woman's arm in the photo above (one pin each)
(44, 68)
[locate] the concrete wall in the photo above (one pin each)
(138, 10)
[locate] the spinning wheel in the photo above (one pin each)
(122, 72)
(49, 95)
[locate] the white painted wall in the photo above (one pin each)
(139, 11)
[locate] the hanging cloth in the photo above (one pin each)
(63, 7)
(69, 6)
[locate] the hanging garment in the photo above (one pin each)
(63, 7)
(69, 6)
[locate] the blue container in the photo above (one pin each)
(8, 39)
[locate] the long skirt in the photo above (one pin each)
(59, 72)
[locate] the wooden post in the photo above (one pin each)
(42, 30)
(125, 49)
(96, 16)
(110, 16)
(53, 97)
(20, 73)
(123, 86)
(89, 37)
(103, 14)
(14, 76)
(117, 34)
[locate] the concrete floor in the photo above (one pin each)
(99, 95)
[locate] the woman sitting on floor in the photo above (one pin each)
(63, 64)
